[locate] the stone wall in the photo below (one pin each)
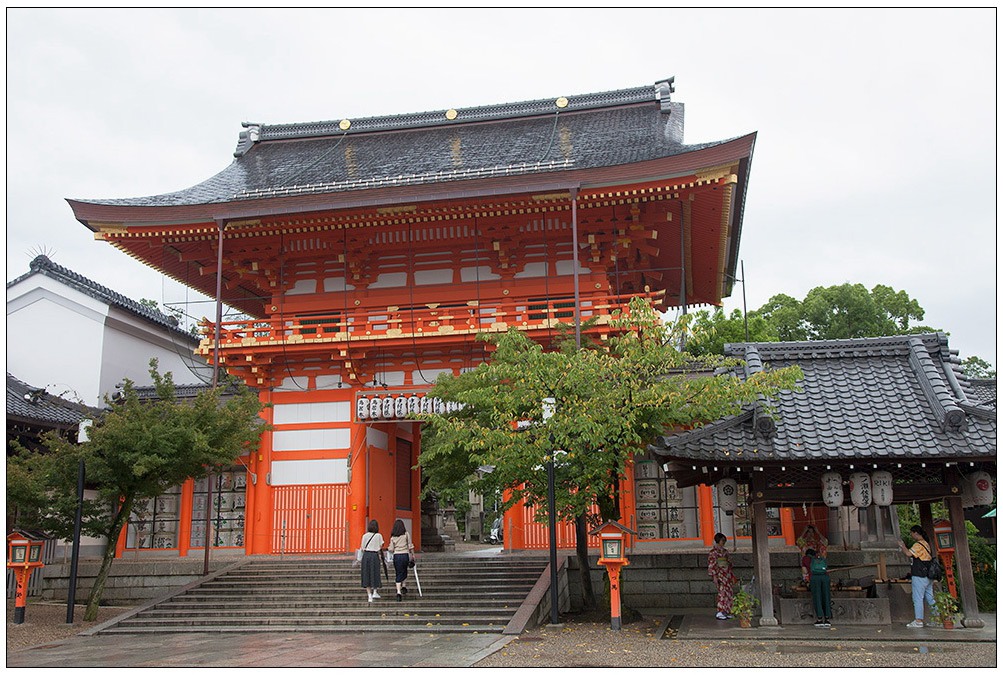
(129, 582)
(680, 580)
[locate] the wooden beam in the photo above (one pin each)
(969, 601)
(761, 554)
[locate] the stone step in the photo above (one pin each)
(383, 606)
(270, 620)
(280, 628)
(465, 594)
(340, 601)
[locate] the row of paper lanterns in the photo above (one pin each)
(866, 489)
(401, 406)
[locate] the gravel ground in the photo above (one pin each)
(590, 644)
(47, 623)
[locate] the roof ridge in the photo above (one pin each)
(836, 347)
(945, 407)
(41, 264)
(659, 92)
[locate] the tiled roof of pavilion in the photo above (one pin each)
(43, 265)
(593, 130)
(902, 397)
(35, 405)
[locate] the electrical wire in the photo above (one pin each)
(282, 321)
(315, 162)
(410, 285)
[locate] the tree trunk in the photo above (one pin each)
(125, 508)
(582, 548)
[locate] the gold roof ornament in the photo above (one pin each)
(344, 124)
(561, 102)
(451, 114)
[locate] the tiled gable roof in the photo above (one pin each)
(593, 130)
(34, 404)
(42, 265)
(872, 398)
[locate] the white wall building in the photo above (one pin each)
(78, 339)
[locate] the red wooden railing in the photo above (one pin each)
(417, 322)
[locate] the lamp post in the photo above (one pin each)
(549, 405)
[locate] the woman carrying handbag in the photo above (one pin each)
(403, 553)
(372, 542)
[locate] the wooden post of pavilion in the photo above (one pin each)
(966, 589)
(761, 551)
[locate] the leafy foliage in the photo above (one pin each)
(711, 332)
(978, 368)
(825, 313)
(610, 401)
(136, 450)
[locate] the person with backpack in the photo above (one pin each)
(922, 585)
(815, 571)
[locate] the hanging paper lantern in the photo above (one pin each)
(727, 495)
(982, 484)
(388, 407)
(881, 486)
(440, 407)
(832, 489)
(413, 405)
(860, 489)
(400, 406)
(375, 408)
(362, 408)
(423, 406)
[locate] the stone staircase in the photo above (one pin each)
(460, 594)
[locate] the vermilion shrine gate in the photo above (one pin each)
(367, 254)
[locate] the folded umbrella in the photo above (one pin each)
(417, 581)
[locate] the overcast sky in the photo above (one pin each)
(875, 161)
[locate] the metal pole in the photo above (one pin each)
(220, 226)
(71, 594)
(574, 252)
(552, 517)
(745, 311)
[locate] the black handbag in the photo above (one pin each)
(934, 571)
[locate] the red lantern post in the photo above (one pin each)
(23, 556)
(612, 557)
(945, 547)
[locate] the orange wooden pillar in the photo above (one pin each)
(258, 514)
(787, 525)
(706, 508)
(185, 518)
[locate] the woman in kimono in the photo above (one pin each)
(720, 570)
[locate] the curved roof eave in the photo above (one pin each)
(139, 213)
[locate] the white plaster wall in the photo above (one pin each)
(309, 472)
(302, 413)
(311, 439)
(130, 343)
(54, 336)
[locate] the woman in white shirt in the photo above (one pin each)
(372, 543)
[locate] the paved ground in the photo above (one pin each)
(676, 639)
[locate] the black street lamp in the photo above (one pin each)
(548, 412)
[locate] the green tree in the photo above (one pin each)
(786, 316)
(978, 368)
(711, 332)
(136, 450)
(610, 401)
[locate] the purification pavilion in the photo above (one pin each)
(365, 255)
